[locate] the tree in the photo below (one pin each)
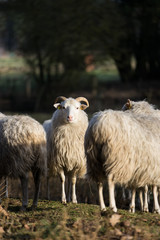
(50, 33)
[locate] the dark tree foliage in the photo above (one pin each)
(144, 20)
(50, 33)
(55, 37)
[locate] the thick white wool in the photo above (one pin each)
(126, 145)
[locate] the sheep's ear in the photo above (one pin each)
(83, 106)
(57, 105)
(129, 104)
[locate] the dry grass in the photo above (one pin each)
(53, 220)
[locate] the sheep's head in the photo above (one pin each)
(127, 105)
(71, 109)
(141, 107)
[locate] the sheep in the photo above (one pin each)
(23, 149)
(2, 115)
(4, 183)
(141, 107)
(65, 142)
(123, 148)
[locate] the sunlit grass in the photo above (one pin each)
(13, 66)
(10, 63)
(53, 220)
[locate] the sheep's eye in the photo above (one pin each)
(77, 107)
(63, 107)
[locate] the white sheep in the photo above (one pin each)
(123, 147)
(22, 149)
(141, 107)
(65, 141)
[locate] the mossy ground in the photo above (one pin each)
(53, 220)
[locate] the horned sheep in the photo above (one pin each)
(123, 147)
(22, 149)
(65, 141)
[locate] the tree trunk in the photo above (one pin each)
(39, 97)
(124, 68)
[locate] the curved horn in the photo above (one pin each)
(80, 99)
(60, 99)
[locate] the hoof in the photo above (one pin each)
(64, 202)
(132, 210)
(75, 201)
(114, 209)
(157, 211)
(145, 210)
(103, 212)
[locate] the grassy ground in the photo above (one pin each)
(52, 220)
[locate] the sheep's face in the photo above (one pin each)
(69, 110)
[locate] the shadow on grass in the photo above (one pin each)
(17, 209)
(23, 236)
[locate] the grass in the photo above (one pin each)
(13, 74)
(12, 62)
(53, 220)
(106, 71)
(13, 67)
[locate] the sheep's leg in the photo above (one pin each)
(132, 204)
(37, 176)
(101, 199)
(145, 208)
(141, 199)
(48, 189)
(6, 187)
(69, 190)
(74, 198)
(156, 204)
(129, 194)
(62, 177)
(24, 186)
(123, 194)
(111, 187)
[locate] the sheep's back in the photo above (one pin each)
(123, 145)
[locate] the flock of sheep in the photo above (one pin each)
(121, 147)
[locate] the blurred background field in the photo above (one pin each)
(18, 87)
(102, 86)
